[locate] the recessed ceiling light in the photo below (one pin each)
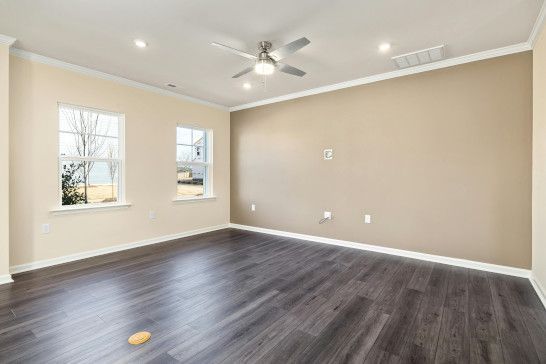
(140, 43)
(383, 47)
(247, 86)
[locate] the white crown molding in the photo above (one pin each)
(516, 48)
(488, 267)
(5, 40)
(106, 76)
(537, 27)
(539, 288)
(6, 278)
(116, 248)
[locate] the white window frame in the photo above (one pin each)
(120, 160)
(207, 183)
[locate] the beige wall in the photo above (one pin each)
(4, 160)
(150, 122)
(441, 160)
(539, 160)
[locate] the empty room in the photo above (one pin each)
(314, 181)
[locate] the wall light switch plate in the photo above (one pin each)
(367, 219)
(328, 154)
(253, 207)
(327, 214)
(45, 228)
(151, 215)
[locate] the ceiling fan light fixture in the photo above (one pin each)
(264, 67)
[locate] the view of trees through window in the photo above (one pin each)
(89, 156)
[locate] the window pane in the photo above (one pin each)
(103, 147)
(87, 145)
(184, 153)
(68, 144)
(199, 154)
(183, 136)
(83, 121)
(89, 182)
(198, 137)
(191, 180)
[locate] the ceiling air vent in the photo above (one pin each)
(424, 56)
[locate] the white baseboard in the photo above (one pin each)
(116, 248)
(512, 271)
(5, 278)
(539, 288)
(518, 272)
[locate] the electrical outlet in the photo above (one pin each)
(253, 207)
(328, 154)
(327, 214)
(45, 228)
(151, 215)
(367, 219)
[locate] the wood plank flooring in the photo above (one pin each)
(233, 296)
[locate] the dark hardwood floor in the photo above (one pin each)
(233, 296)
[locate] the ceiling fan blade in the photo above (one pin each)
(289, 48)
(290, 70)
(243, 72)
(234, 51)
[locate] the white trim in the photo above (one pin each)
(106, 76)
(6, 278)
(518, 272)
(74, 209)
(537, 27)
(116, 248)
(95, 110)
(194, 199)
(516, 48)
(539, 288)
(6, 40)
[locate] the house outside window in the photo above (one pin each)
(193, 162)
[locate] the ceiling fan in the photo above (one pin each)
(266, 60)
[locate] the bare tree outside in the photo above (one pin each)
(87, 143)
(112, 166)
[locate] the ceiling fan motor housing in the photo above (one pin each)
(264, 56)
(264, 64)
(265, 46)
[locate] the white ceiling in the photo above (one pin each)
(344, 36)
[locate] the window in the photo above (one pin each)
(90, 156)
(193, 166)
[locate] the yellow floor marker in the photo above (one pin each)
(139, 338)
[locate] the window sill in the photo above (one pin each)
(88, 208)
(194, 199)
